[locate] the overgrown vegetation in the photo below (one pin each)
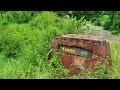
(26, 38)
(108, 19)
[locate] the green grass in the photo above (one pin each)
(115, 53)
(25, 69)
(24, 48)
(20, 68)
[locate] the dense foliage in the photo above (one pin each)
(108, 19)
(26, 37)
(24, 47)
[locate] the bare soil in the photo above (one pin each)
(107, 35)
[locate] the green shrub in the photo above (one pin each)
(115, 27)
(105, 21)
(18, 16)
(24, 47)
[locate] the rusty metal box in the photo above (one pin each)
(80, 52)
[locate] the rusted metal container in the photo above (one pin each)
(80, 52)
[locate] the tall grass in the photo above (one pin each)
(115, 53)
(24, 48)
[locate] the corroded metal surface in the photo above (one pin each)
(80, 52)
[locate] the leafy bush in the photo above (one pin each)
(115, 27)
(105, 21)
(3, 22)
(24, 47)
(18, 16)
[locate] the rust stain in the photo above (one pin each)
(78, 61)
(67, 60)
(76, 49)
(54, 43)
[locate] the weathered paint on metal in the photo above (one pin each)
(79, 52)
(55, 43)
(67, 60)
(78, 61)
(76, 51)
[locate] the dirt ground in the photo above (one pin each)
(107, 35)
(100, 32)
